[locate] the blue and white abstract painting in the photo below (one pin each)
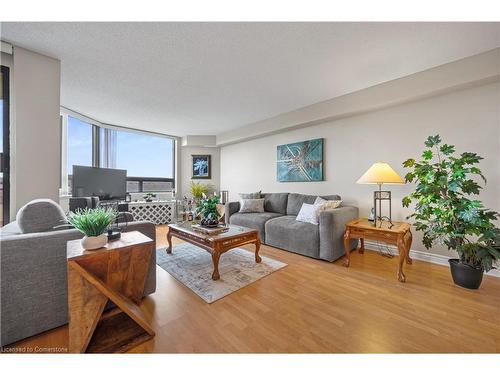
(300, 161)
(201, 166)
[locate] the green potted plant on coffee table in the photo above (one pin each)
(446, 212)
(93, 223)
(207, 209)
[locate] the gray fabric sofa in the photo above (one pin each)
(33, 278)
(279, 228)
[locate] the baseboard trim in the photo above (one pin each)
(422, 255)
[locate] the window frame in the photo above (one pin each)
(6, 144)
(96, 127)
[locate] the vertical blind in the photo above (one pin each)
(108, 148)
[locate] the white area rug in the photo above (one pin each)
(193, 267)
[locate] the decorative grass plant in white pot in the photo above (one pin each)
(93, 223)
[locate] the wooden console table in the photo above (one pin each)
(117, 273)
(398, 234)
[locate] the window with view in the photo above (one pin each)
(148, 158)
(78, 146)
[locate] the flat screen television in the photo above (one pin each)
(105, 183)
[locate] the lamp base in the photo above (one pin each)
(379, 196)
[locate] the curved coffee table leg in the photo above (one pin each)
(169, 239)
(258, 259)
(215, 259)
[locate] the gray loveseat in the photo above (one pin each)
(278, 228)
(33, 276)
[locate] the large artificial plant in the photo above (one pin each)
(445, 210)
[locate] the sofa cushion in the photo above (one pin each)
(295, 201)
(251, 205)
(40, 215)
(275, 202)
(253, 220)
(256, 195)
(309, 213)
(286, 232)
(327, 205)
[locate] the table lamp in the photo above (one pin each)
(223, 196)
(381, 173)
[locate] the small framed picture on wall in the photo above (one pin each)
(202, 168)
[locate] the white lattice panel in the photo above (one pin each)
(156, 212)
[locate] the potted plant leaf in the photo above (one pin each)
(93, 223)
(447, 213)
(148, 197)
(198, 190)
(207, 209)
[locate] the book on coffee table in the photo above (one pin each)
(216, 230)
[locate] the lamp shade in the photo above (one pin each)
(380, 173)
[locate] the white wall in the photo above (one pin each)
(468, 72)
(186, 167)
(468, 118)
(35, 128)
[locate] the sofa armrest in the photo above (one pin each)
(331, 231)
(33, 283)
(229, 209)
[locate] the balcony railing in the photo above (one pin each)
(149, 184)
(142, 184)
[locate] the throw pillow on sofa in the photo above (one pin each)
(252, 205)
(327, 205)
(256, 195)
(309, 213)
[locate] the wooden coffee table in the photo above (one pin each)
(216, 244)
(398, 234)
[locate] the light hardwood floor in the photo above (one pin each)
(316, 306)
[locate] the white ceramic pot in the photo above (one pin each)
(94, 242)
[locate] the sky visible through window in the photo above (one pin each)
(141, 155)
(79, 143)
(144, 155)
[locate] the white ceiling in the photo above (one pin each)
(207, 78)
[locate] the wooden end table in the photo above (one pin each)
(215, 244)
(398, 234)
(117, 273)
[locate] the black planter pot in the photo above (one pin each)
(465, 275)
